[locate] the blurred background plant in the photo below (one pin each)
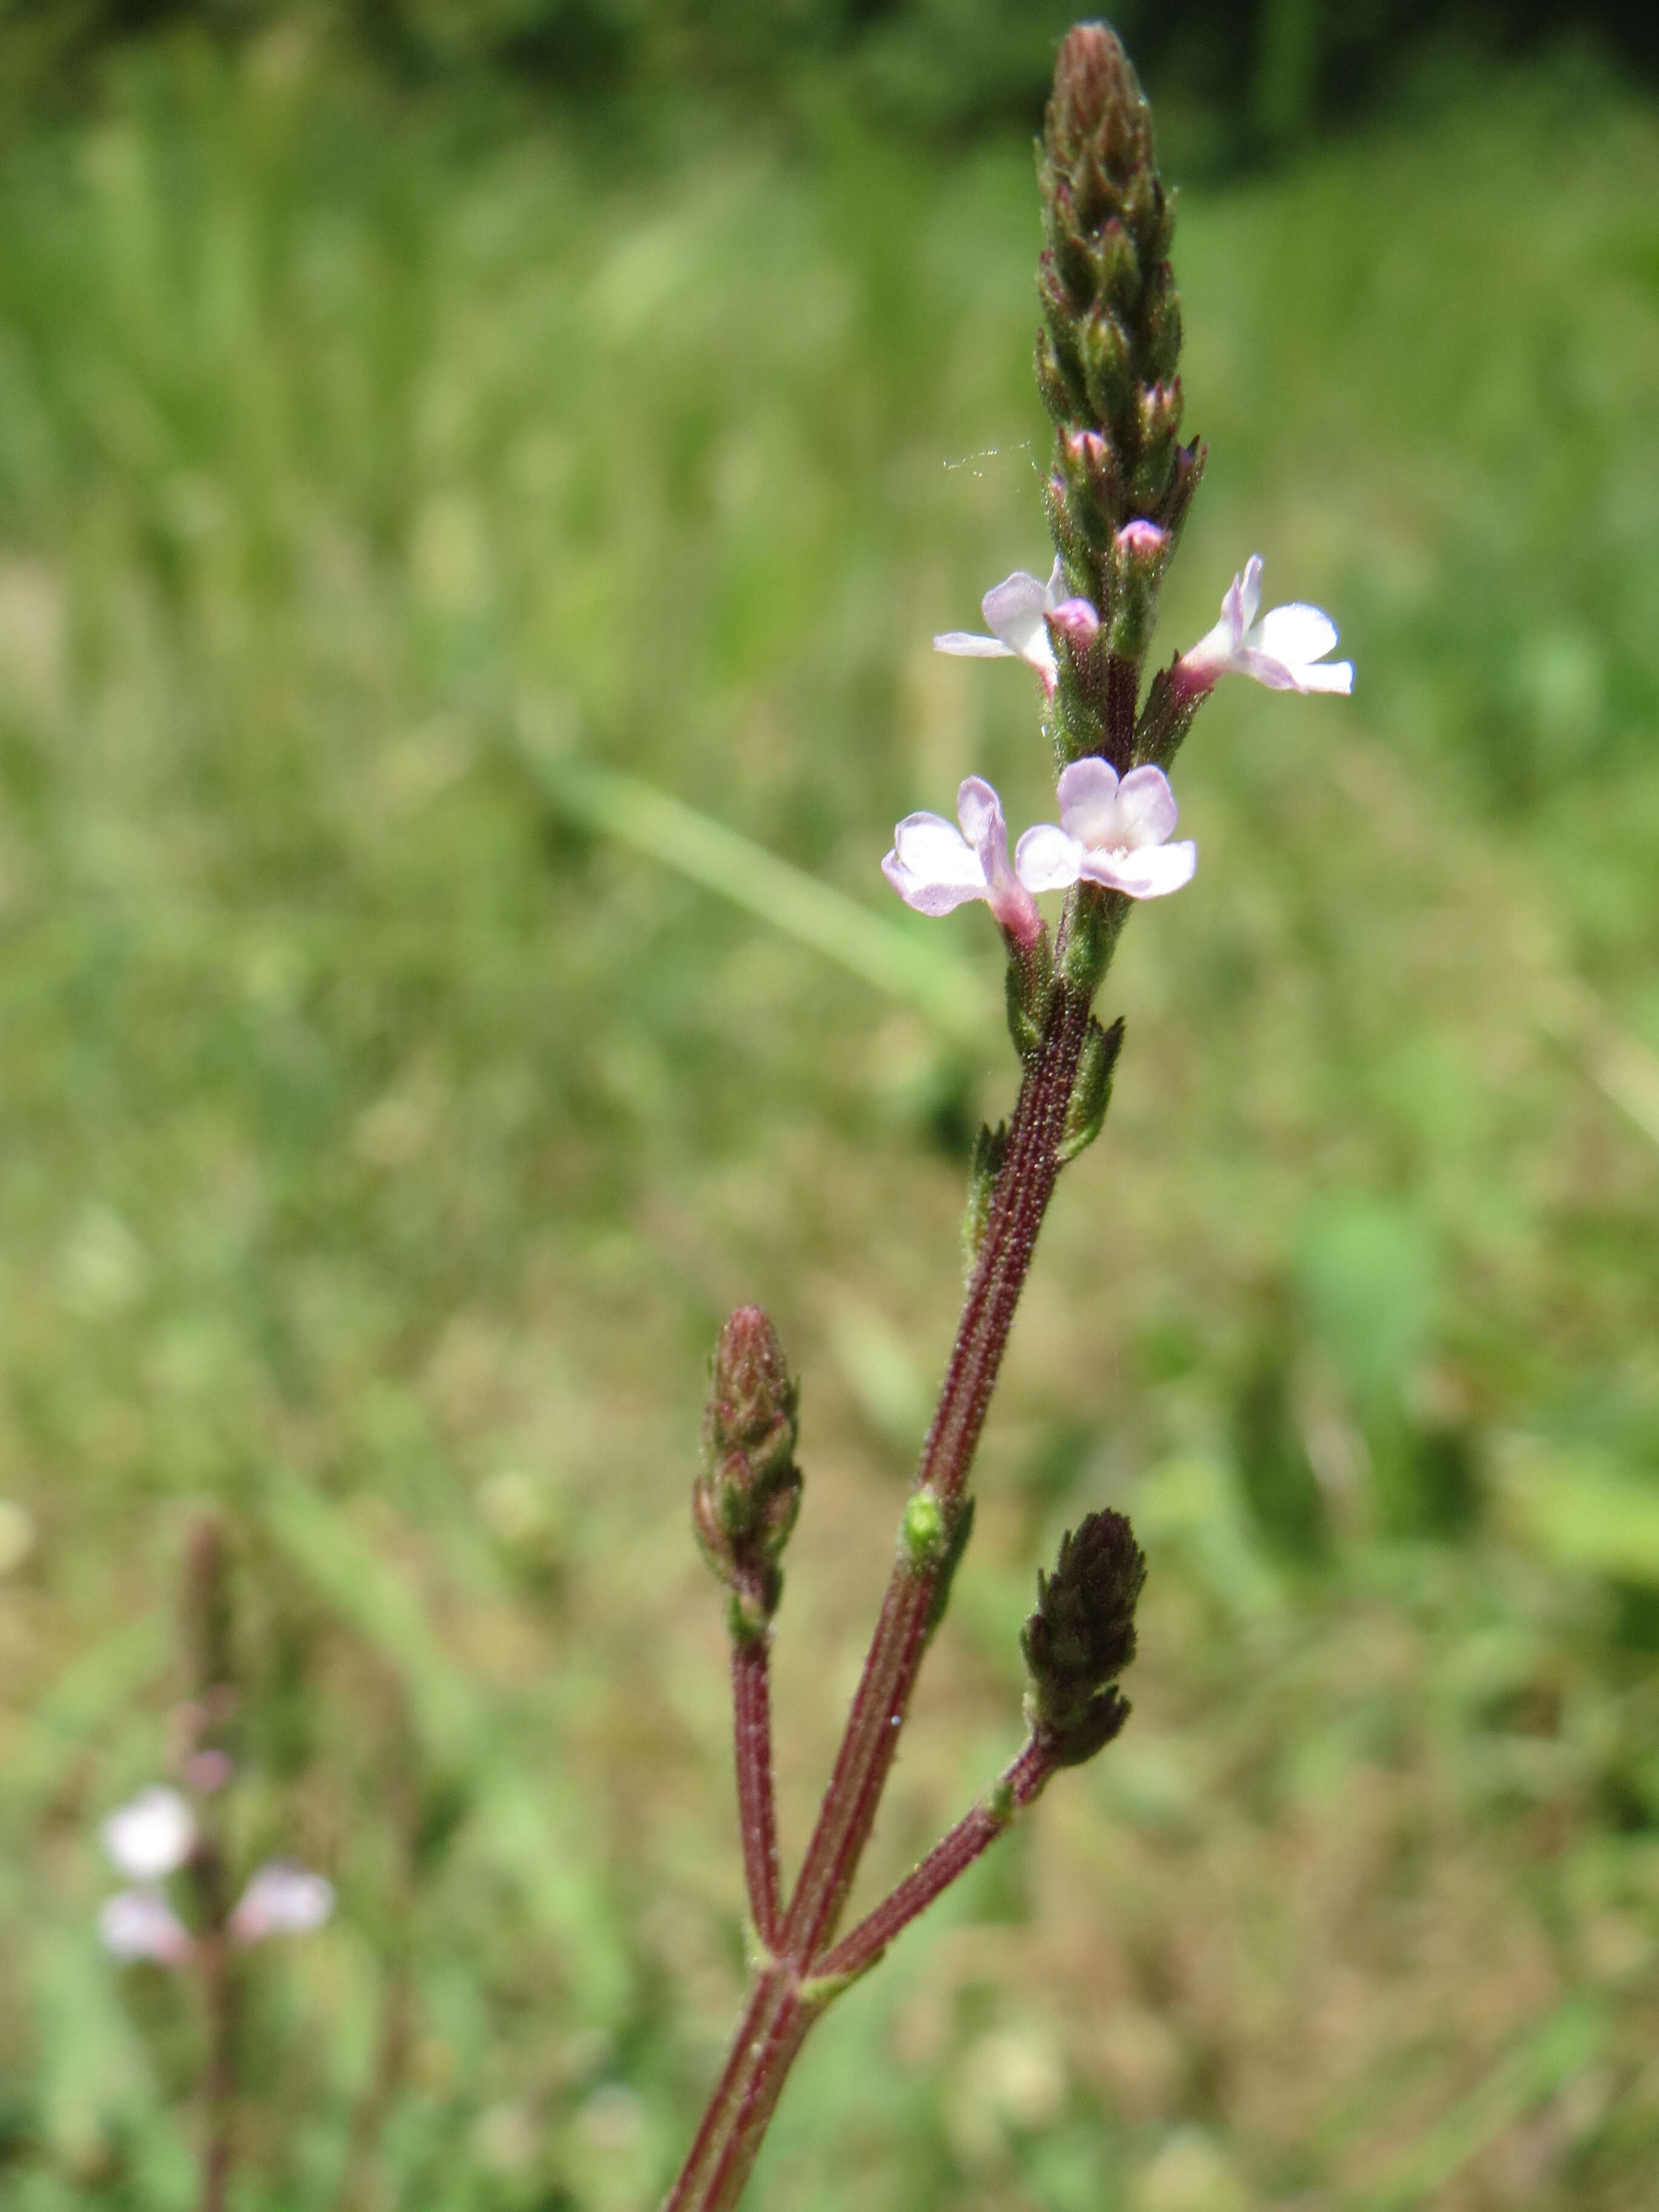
(387, 434)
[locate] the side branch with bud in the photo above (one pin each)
(1117, 494)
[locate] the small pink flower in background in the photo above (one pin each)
(140, 1923)
(152, 1836)
(1016, 612)
(280, 1899)
(1112, 832)
(1284, 650)
(936, 867)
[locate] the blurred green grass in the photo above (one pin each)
(382, 1143)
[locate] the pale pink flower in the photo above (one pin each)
(936, 867)
(152, 1836)
(1112, 832)
(1016, 613)
(140, 1923)
(280, 1899)
(1284, 650)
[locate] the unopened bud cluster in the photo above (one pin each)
(1107, 361)
(746, 1498)
(1081, 1637)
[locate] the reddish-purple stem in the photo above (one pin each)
(1122, 695)
(219, 2072)
(751, 1713)
(1024, 1189)
(950, 1857)
(783, 2004)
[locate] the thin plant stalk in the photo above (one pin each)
(219, 1996)
(751, 1713)
(799, 1978)
(1117, 495)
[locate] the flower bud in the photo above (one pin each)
(1139, 552)
(745, 1501)
(1081, 1637)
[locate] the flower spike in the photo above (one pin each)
(1284, 650)
(935, 868)
(1111, 832)
(1017, 612)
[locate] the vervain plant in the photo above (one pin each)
(1116, 495)
(181, 1910)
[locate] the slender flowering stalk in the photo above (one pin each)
(161, 1836)
(1117, 494)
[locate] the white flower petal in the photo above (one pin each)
(1327, 676)
(152, 1836)
(935, 850)
(1211, 657)
(980, 812)
(1265, 668)
(1088, 801)
(1295, 633)
(927, 897)
(1014, 609)
(280, 1899)
(1151, 871)
(972, 646)
(1248, 589)
(140, 1923)
(1047, 859)
(1147, 809)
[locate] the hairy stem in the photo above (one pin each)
(950, 1857)
(783, 2004)
(751, 1714)
(1122, 691)
(1023, 1191)
(772, 2030)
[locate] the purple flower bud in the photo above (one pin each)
(1142, 540)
